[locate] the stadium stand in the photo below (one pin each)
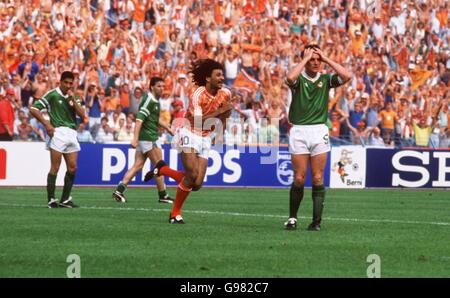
(398, 52)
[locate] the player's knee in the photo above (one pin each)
(54, 169)
(299, 180)
(196, 187)
(317, 179)
(192, 176)
(189, 181)
(72, 169)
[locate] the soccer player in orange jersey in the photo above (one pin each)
(209, 101)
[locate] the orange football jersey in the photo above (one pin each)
(202, 103)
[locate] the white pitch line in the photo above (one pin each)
(244, 214)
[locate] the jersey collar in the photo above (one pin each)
(152, 97)
(60, 92)
(305, 75)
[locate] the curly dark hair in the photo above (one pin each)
(203, 69)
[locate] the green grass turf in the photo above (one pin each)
(228, 233)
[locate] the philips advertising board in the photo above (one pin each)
(227, 166)
(27, 164)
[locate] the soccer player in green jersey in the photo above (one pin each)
(145, 141)
(62, 106)
(308, 139)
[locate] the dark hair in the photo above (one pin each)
(155, 80)
(310, 46)
(203, 69)
(67, 75)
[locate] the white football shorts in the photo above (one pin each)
(64, 140)
(309, 139)
(145, 146)
(185, 138)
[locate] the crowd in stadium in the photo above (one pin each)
(397, 51)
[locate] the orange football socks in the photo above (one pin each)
(176, 175)
(180, 197)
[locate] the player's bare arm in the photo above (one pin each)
(293, 74)
(344, 74)
(199, 120)
(78, 108)
(137, 129)
(48, 126)
(225, 108)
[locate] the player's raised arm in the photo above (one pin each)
(344, 74)
(295, 71)
(76, 103)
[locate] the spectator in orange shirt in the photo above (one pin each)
(140, 6)
(336, 121)
(110, 103)
(358, 38)
(125, 97)
(388, 117)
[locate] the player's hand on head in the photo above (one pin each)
(308, 54)
(319, 52)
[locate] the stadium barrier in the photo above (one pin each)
(27, 164)
(408, 168)
(359, 167)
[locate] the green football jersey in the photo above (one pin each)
(148, 113)
(310, 98)
(61, 112)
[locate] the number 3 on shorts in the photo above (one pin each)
(184, 141)
(326, 139)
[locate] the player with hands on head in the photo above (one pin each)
(309, 138)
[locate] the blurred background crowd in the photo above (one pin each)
(397, 51)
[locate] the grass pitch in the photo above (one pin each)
(228, 233)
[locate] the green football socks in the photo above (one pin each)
(318, 197)
(162, 194)
(121, 187)
(68, 183)
(295, 198)
(51, 182)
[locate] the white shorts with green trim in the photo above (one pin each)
(309, 139)
(64, 140)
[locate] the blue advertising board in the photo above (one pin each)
(408, 168)
(263, 166)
